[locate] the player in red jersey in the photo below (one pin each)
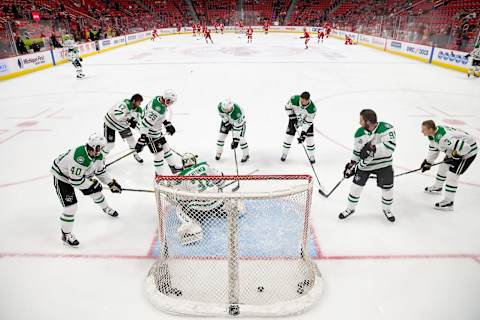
(240, 25)
(215, 25)
(348, 40)
(154, 34)
(328, 29)
(249, 34)
(320, 35)
(306, 36)
(194, 29)
(207, 35)
(179, 27)
(222, 27)
(265, 27)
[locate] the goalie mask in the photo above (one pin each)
(226, 105)
(188, 160)
(96, 143)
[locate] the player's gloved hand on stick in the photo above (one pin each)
(115, 187)
(455, 156)
(449, 160)
(302, 137)
(142, 141)
(169, 127)
(368, 150)
(425, 165)
(94, 187)
(350, 169)
(132, 122)
(235, 143)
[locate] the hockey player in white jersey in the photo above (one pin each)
(77, 168)
(475, 66)
(121, 118)
(151, 123)
(301, 113)
(233, 119)
(374, 145)
(192, 212)
(73, 56)
(460, 149)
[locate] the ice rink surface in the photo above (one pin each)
(424, 266)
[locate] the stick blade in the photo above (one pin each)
(322, 193)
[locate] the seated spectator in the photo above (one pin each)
(22, 49)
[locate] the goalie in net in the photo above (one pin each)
(192, 212)
(221, 253)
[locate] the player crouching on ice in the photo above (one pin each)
(372, 154)
(76, 168)
(233, 118)
(73, 56)
(475, 68)
(301, 112)
(192, 212)
(460, 149)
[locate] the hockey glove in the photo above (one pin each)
(302, 137)
(350, 169)
(169, 127)
(94, 188)
(368, 150)
(81, 59)
(449, 160)
(425, 165)
(132, 122)
(292, 117)
(142, 141)
(456, 156)
(235, 143)
(115, 187)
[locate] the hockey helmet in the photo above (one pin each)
(70, 44)
(226, 105)
(96, 142)
(188, 160)
(169, 96)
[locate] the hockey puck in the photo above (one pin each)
(260, 289)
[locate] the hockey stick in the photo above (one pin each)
(124, 156)
(138, 190)
(314, 172)
(335, 187)
(411, 171)
(236, 167)
(230, 183)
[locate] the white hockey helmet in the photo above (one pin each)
(96, 142)
(169, 95)
(226, 105)
(188, 160)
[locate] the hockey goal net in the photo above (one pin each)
(236, 253)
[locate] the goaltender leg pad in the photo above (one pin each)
(65, 193)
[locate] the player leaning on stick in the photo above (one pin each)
(77, 168)
(374, 145)
(301, 113)
(121, 118)
(475, 67)
(153, 118)
(460, 149)
(233, 119)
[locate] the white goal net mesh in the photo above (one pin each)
(243, 252)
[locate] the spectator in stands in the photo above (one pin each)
(21, 48)
(54, 41)
(15, 11)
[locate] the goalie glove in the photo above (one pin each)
(132, 122)
(302, 137)
(141, 143)
(169, 127)
(115, 187)
(368, 150)
(235, 143)
(350, 169)
(425, 166)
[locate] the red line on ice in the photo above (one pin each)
(152, 244)
(396, 166)
(31, 117)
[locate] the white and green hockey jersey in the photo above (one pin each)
(117, 116)
(199, 186)
(73, 54)
(448, 140)
(77, 168)
(304, 114)
(236, 118)
(383, 137)
(152, 118)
